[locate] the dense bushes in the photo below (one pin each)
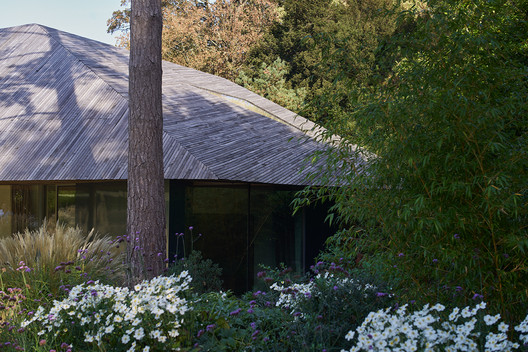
(331, 308)
(434, 159)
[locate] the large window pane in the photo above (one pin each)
(220, 214)
(66, 205)
(6, 211)
(111, 208)
(276, 235)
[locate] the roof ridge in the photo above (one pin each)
(167, 135)
(46, 30)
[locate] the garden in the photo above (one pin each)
(431, 252)
(69, 295)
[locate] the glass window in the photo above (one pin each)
(6, 211)
(111, 208)
(220, 214)
(27, 203)
(276, 235)
(66, 205)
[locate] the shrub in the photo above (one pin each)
(433, 161)
(104, 317)
(206, 274)
(224, 322)
(327, 303)
(468, 329)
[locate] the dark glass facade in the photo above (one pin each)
(241, 225)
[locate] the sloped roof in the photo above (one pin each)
(64, 111)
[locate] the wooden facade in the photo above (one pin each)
(232, 159)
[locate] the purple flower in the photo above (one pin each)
(253, 325)
(381, 294)
(458, 288)
(235, 312)
(261, 274)
(296, 314)
(250, 311)
(477, 296)
(200, 333)
(435, 260)
(191, 228)
(89, 282)
(456, 236)
(400, 254)
(211, 327)
(255, 333)
(335, 288)
(64, 345)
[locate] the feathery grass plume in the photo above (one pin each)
(50, 250)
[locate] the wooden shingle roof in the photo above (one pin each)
(64, 111)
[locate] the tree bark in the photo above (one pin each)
(146, 196)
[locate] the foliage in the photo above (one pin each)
(116, 318)
(435, 158)
(326, 303)
(48, 250)
(318, 312)
(53, 262)
(213, 37)
(427, 330)
(206, 274)
(269, 81)
(227, 323)
(301, 36)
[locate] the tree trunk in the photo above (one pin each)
(146, 199)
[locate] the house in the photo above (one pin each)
(232, 159)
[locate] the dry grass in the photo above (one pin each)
(45, 249)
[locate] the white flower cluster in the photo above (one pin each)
(522, 328)
(290, 295)
(423, 330)
(153, 309)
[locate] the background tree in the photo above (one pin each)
(146, 197)
(442, 202)
(308, 30)
(236, 39)
(213, 37)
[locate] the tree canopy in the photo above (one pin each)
(213, 37)
(443, 199)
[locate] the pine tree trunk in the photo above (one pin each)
(146, 200)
